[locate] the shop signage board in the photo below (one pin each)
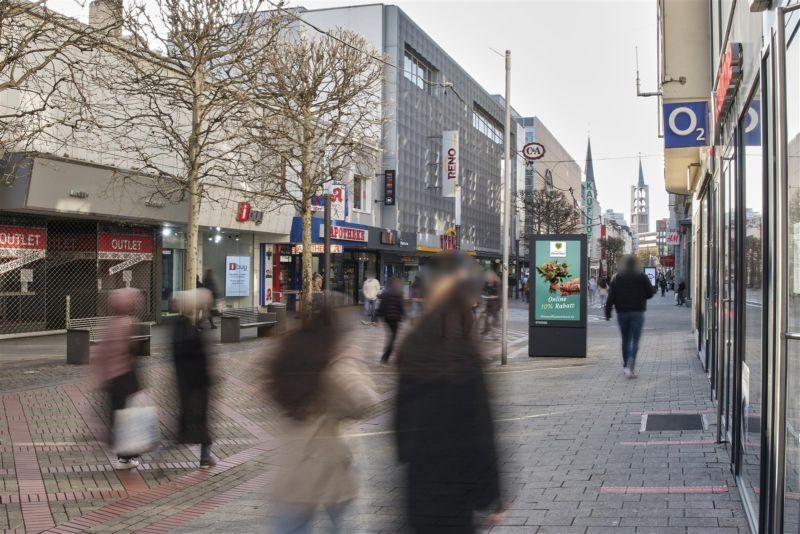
(129, 249)
(533, 151)
(389, 180)
(317, 248)
(667, 261)
(336, 191)
(729, 77)
(449, 163)
(237, 276)
(558, 304)
(17, 241)
(246, 213)
(686, 124)
(346, 233)
(673, 238)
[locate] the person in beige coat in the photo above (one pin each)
(317, 391)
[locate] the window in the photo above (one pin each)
(362, 194)
(485, 124)
(417, 70)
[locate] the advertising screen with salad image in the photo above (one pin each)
(557, 281)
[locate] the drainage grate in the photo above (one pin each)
(672, 422)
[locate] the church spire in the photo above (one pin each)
(589, 170)
(641, 173)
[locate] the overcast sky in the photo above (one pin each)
(573, 65)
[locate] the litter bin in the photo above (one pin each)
(279, 309)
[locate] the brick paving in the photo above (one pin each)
(572, 453)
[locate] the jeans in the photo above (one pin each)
(369, 309)
(630, 325)
(297, 518)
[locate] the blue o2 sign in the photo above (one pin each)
(685, 124)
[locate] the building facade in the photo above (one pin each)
(738, 166)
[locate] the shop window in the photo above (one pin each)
(362, 194)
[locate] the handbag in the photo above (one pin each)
(136, 428)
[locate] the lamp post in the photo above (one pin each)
(506, 209)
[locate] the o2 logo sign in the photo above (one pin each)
(752, 124)
(685, 124)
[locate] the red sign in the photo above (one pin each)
(344, 233)
(125, 243)
(448, 242)
(667, 261)
(20, 238)
(243, 213)
(728, 78)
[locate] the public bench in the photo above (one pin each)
(84, 332)
(235, 319)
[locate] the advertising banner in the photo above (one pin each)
(557, 287)
(449, 163)
(237, 276)
(129, 249)
(651, 275)
(17, 241)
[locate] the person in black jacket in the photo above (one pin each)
(393, 312)
(210, 283)
(443, 418)
(190, 356)
(628, 293)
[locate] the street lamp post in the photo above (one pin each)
(506, 209)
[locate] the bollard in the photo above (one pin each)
(279, 309)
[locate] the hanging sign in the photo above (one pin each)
(389, 177)
(729, 77)
(533, 151)
(686, 124)
(449, 163)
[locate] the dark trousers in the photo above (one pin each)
(393, 327)
(630, 325)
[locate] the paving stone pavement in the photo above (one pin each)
(572, 454)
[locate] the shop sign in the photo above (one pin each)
(237, 276)
(667, 261)
(16, 241)
(318, 248)
(130, 249)
(336, 195)
(389, 177)
(673, 238)
(409, 260)
(345, 233)
(246, 213)
(447, 242)
(533, 151)
(729, 77)
(752, 124)
(686, 124)
(388, 237)
(449, 163)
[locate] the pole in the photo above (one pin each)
(506, 209)
(458, 215)
(327, 253)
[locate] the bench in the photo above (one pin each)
(84, 332)
(233, 320)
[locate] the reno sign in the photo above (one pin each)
(449, 163)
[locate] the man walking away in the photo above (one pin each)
(393, 312)
(628, 293)
(680, 294)
(210, 283)
(370, 289)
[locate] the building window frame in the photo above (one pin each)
(417, 70)
(362, 194)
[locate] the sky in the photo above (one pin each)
(573, 66)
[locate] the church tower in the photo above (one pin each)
(640, 204)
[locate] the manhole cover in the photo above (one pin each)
(672, 422)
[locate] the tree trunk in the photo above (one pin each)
(192, 231)
(307, 297)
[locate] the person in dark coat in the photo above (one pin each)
(190, 356)
(210, 283)
(443, 418)
(392, 311)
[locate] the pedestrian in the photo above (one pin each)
(662, 282)
(443, 418)
(526, 290)
(628, 293)
(112, 360)
(370, 289)
(392, 311)
(315, 394)
(491, 297)
(192, 374)
(417, 296)
(680, 294)
(602, 291)
(592, 291)
(210, 283)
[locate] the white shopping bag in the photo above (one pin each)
(136, 428)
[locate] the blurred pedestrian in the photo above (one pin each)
(628, 293)
(602, 291)
(491, 298)
(392, 311)
(113, 362)
(592, 292)
(417, 296)
(443, 418)
(210, 283)
(680, 293)
(370, 289)
(192, 373)
(662, 284)
(315, 394)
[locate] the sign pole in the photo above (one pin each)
(327, 251)
(506, 210)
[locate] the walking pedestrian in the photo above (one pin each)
(192, 374)
(662, 282)
(628, 293)
(370, 289)
(417, 296)
(491, 297)
(680, 294)
(393, 312)
(592, 292)
(210, 283)
(315, 395)
(443, 418)
(602, 291)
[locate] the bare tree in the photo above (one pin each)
(177, 101)
(320, 108)
(41, 68)
(614, 248)
(548, 212)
